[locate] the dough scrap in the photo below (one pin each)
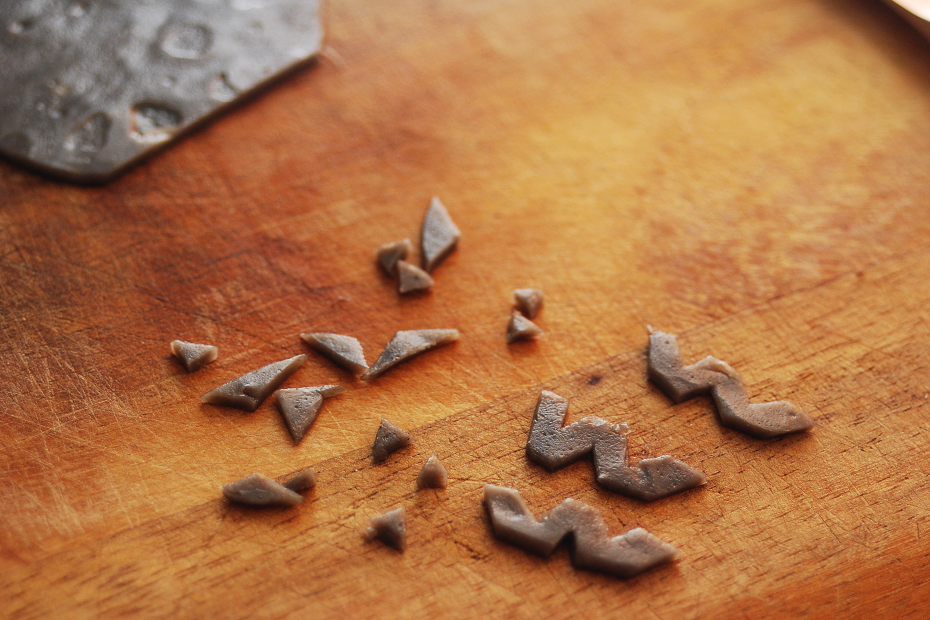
(680, 383)
(345, 351)
(521, 328)
(390, 438)
(193, 356)
(529, 301)
(259, 490)
(301, 481)
(300, 406)
(433, 475)
(412, 279)
(248, 391)
(439, 235)
(390, 253)
(407, 344)
(622, 556)
(390, 528)
(554, 446)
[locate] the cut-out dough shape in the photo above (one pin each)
(259, 490)
(529, 301)
(390, 528)
(412, 279)
(300, 406)
(439, 235)
(390, 253)
(343, 350)
(622, 556)
(193, 356)
(408, 344)
(433, 475)
(390, 438)
(521, 328)
(554, 446)
(302, 481)
(680, 383)
(248, 391)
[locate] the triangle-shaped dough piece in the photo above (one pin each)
(259, 490)
(390, 528)
(439, 235)
(390, 438)
(433, 475)
(248, 391)
(521, 328)
(193, 356)
(529, 301)
(412, 278)
(390, 253)
(300, 406)
(301, 481)
(345, 351)
(407, 344)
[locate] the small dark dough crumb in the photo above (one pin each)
(521, 328)
(390, 528)
(193, 356)
(390, 438)
(433, 475)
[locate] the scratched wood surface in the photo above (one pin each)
(750, 175)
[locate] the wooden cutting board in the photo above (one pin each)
(752, 175)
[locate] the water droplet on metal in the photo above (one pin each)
(221, 89)
(183, 40)
(152, 122)
(90, 136)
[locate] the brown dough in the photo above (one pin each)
(248, 391)
(521, 328)
(529, 301)
(259, 490)
(390, 438)
(433, 475)
(680, 383)
(412, 279)
(300, 406)
(622, 556)
(554, 446)
(407, 344)
(193, 356)
(439, 235)
(390, 253)
(390, 528)
(345, 351)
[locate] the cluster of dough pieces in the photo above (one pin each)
(550, 444)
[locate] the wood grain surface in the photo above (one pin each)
(751, 175)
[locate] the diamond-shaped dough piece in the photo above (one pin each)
(345, 351)
(439, 235)
(259, 490)
(407, 344)
(248, 391)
